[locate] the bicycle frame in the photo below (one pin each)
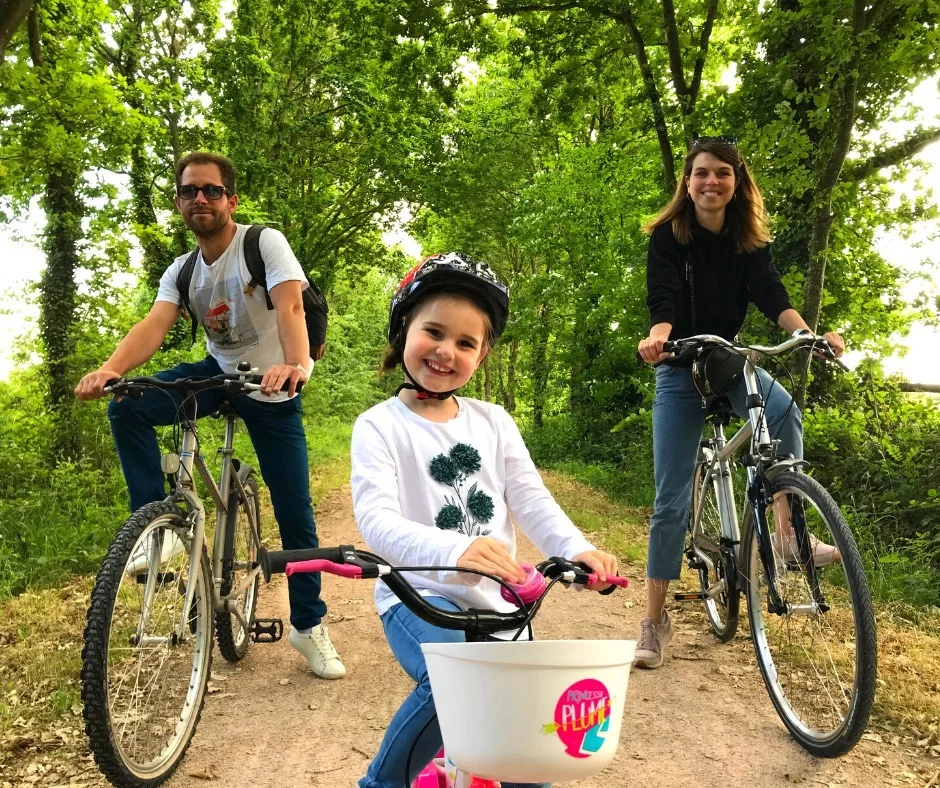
(754, 433)
(183, 464)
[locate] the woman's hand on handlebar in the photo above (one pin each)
(650, 349)
(603, 564)
(835, 342)
(488, 555)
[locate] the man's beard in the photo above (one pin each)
(202, 228)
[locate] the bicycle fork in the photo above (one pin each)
(760, 497)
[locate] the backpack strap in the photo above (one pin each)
(184, 278)
(255, 263)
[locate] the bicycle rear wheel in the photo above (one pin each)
(817, 653)
(718, 581)
(145, 662)
(238, 558)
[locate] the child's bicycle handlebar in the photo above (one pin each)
(348, 561)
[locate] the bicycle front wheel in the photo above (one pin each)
(239, 558)
(146, 660)
(718, 577)
(817, 648)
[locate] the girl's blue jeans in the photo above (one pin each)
(678, 419)
(414, 725)
(277, 434)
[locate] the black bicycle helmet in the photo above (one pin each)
(451, 272)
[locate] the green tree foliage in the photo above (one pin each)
(539, 136)
(62, 119)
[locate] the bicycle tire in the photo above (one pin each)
(819, 667)
(238, 556)
(722, 611)
(119, 675)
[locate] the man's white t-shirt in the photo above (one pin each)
(238, 327)
(423, 491)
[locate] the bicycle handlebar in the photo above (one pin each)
(799, 339)
(347, 561)
(235, 383)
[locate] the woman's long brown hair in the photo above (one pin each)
(745, 217)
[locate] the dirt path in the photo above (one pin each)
(702, 720)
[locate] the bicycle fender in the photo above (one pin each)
(783, 466)
(244, 470)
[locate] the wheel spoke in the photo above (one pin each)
(143, 685)
(818, 665)
(714, 573)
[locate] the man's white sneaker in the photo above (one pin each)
(315, 645)
(172, 546)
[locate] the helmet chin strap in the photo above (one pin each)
(422, 393)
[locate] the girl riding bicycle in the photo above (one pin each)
(435, 479)
(709, 256)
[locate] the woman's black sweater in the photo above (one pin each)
(725, 282)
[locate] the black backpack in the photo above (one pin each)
(315, 308)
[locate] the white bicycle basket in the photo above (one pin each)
(542, 711)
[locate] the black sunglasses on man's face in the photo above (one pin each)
(210, 190)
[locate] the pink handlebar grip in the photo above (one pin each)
(321, 565)
(614, 580)
(530, 590)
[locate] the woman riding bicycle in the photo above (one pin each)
(435, 479)
(709, 256)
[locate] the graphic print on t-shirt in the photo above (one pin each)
(226, 319)
(461, 514)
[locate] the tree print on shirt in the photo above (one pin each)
(461, 514)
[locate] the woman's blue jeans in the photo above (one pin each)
(678, 419)
(277, 434)
(414, 728)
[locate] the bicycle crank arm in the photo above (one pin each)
(226, 603)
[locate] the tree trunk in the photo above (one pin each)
(155, 259)
(64, 211)
(822, 214)
(511, 376)
(540, 368)
(487, 380)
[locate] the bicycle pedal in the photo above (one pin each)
(163, 578)
(267, 630)
(690, 596)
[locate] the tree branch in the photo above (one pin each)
(627, 19)
(704, 40)
(35, 47)
(895, 154)
(675, 56)
(12, 15)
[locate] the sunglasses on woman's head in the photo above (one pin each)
(210, 190)
(725, 138)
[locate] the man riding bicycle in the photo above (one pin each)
(239, 328)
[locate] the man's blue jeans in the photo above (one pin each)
(414, 725)
(277, 434)
(678, 419)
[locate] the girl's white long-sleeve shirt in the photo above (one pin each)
(423, 491)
